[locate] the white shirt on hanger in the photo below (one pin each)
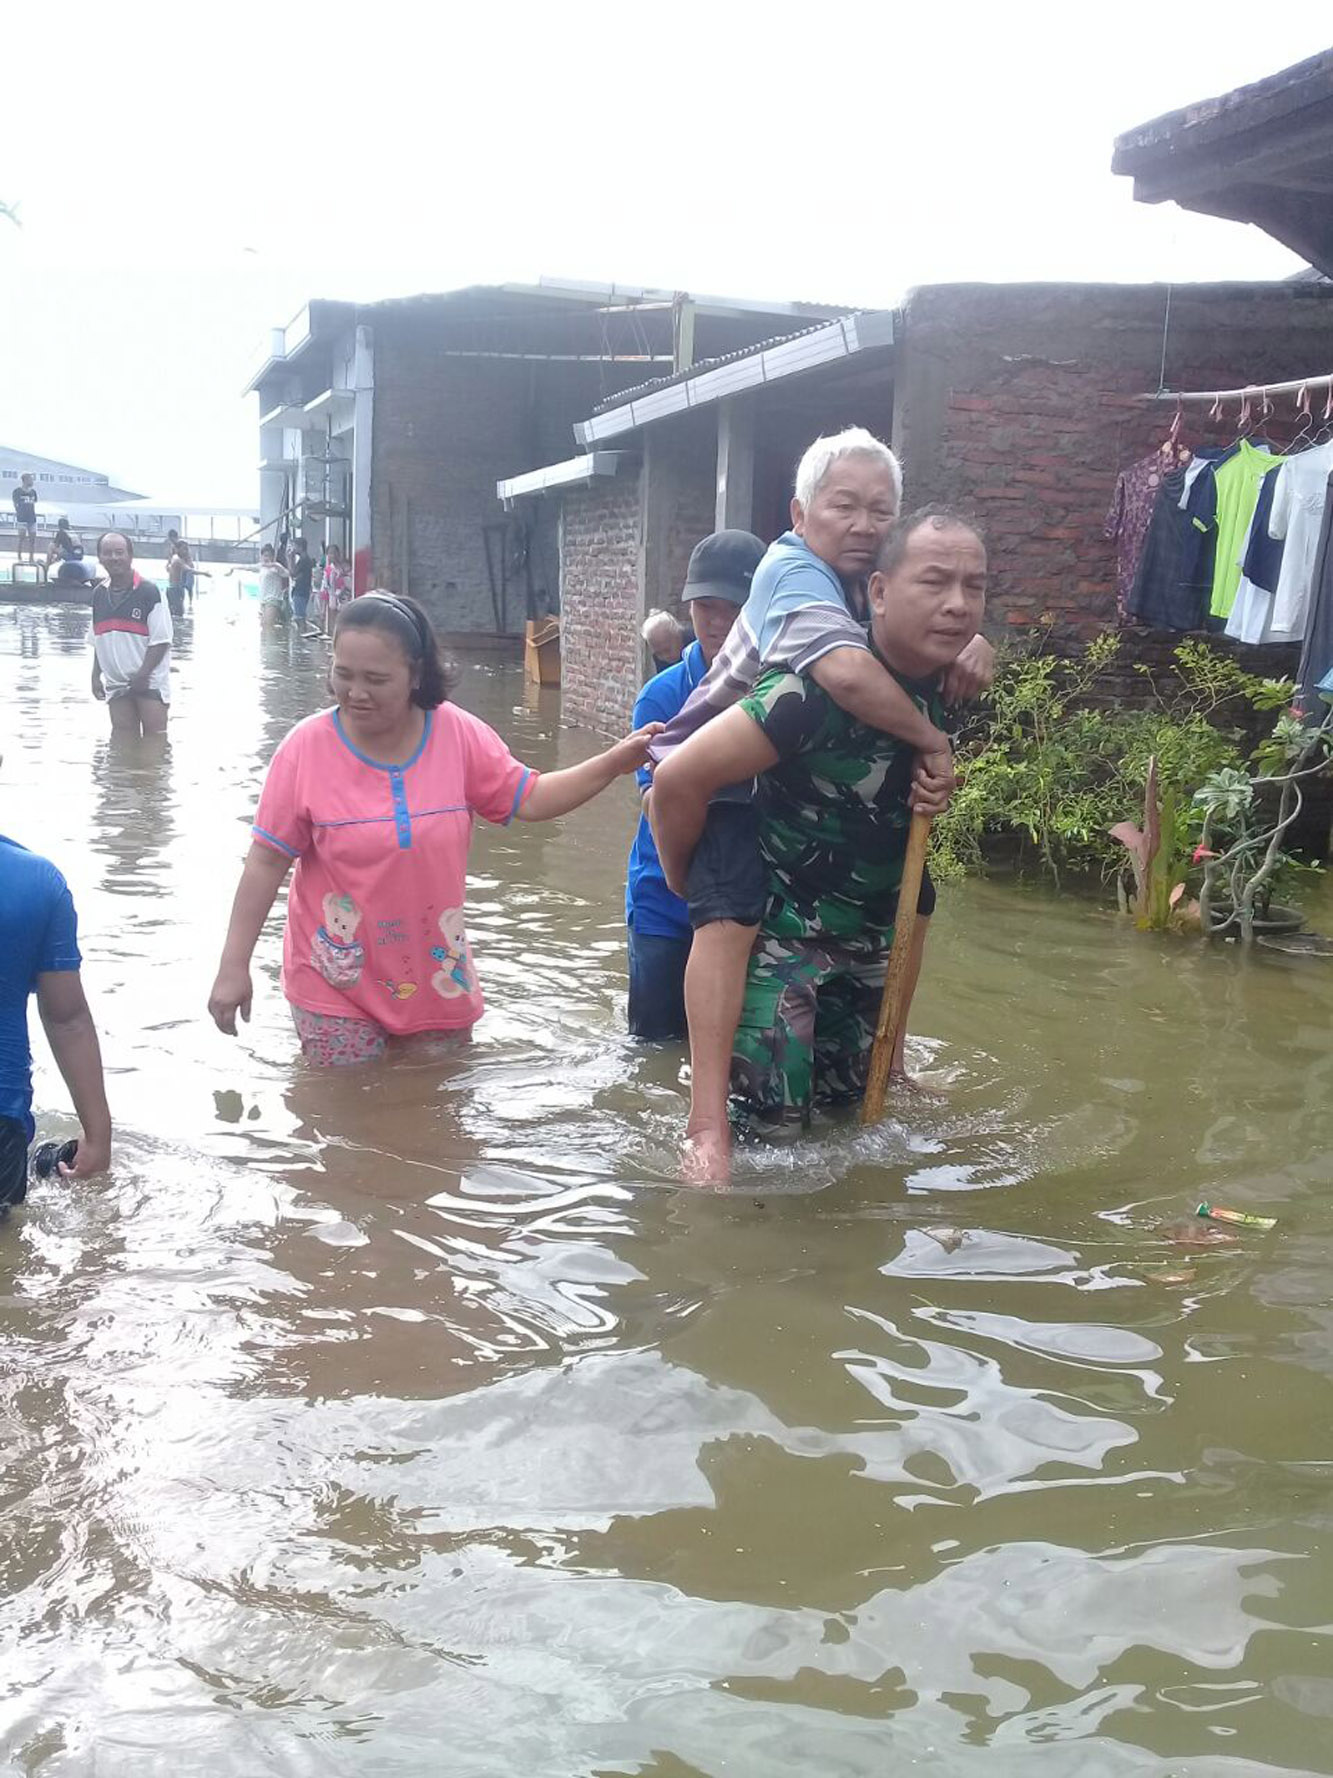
(1251, 617)
(1298, 513)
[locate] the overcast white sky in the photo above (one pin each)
(185, 185)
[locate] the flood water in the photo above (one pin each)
(413, 1420)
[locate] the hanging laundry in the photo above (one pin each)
(1175, 566)
(1136, 491)
(1317, 655)
(1174, 575)
(1298, 512)
(1224, 498)
(1207, 458)
(1251, 617)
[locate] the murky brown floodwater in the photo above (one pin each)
(415, 1422)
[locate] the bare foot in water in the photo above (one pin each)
(706, 1157)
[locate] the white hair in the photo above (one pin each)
(854, 441)
(658, 621)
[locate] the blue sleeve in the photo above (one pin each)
(659, 701)
(59, 949)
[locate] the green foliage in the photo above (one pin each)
(1226, 795)
(1056, 772)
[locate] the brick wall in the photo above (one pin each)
(627, 546)
(446, 429)
(1016, 402)
(600, 650)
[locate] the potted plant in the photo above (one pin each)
(1244, 820)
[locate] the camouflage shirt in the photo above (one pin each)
(833, 814)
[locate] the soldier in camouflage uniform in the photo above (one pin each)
(833, 821)
(833, 805)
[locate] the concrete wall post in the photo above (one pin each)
(735, 465)
(658, 490)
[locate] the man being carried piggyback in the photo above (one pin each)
(832, 810)
(806, 613)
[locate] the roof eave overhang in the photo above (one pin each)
(574, 472)
(1262, 154)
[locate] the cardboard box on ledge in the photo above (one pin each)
(541, 651)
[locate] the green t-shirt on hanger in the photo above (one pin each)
(1236, 483)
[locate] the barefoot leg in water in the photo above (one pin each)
(898, 1074)
(714, 992)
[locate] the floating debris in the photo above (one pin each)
(949, 1239)
(1215, 1213)
(1186, 1275)
(1192, 1231)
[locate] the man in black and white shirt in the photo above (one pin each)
(132, 638)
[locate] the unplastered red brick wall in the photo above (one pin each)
(599, 603)
(1016, 402)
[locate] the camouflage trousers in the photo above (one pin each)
(806, 1028)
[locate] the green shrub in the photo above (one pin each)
(1049, 772)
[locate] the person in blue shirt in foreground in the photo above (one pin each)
(39, 954)
(717, 584)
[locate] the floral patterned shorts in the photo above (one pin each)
(330, 1042)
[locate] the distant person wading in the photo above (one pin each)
(132, 638)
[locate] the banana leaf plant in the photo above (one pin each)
(1159, 885)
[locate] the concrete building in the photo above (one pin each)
(60, 486)
(1020, 403)
(386, 426)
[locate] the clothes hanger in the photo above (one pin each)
(1305, 434)
(1171, 452)
(1266, 411)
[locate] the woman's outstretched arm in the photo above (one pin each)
(556, 793)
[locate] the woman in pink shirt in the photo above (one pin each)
(374, 801)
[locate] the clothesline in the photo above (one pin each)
(1251, 390)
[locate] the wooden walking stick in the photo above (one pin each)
(891, 1005)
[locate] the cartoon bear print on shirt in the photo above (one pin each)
(334, 950)
(455, 975)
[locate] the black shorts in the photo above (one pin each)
(728, 879)
(13, 1163)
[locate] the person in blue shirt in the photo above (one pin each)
(39, 954)
(717, 584)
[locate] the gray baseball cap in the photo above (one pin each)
(722, 566)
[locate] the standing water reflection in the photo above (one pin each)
(412, 1419)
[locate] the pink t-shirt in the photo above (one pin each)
(375, 910)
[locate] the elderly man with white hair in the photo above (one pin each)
(806, 612)
(665, 638)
